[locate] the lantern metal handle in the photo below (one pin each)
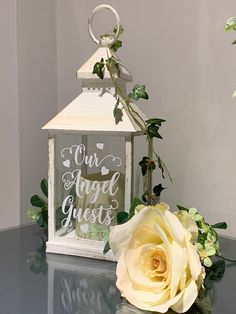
(104, 42)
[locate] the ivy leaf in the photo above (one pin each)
(158, 189)
(216, 271)
(144, 165)
(135, 202)
(117, 112)
(160, 166)
(220, 225)
(106, 248)
(121, 30)
(153, 127)
(113, 66)
(182, 208)
(37, 201)
(44, 187)
(152, 131)
(138, 92)
(155, 121)
(144, 196)
(116, 45)
(122, 217)
(147, 165)
(230, 24)
(99, 69)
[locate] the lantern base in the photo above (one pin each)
(79, 250)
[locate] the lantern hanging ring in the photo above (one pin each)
(107, 41)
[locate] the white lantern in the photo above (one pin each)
(90, 163)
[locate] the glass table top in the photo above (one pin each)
(39, 283)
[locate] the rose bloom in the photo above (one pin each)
(158, 266)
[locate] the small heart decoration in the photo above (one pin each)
(100, 145)
(66, 163)
(104, 171)
(84, 228)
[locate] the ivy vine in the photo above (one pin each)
(150, 128)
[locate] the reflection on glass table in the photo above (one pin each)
(39, 283)
(79, 285)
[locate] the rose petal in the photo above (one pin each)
(119, 235)
(136, 274)
(142, 235)
(187, 299)
(174, 226)
(188, 223)
(194, 260)
(161, 306)
(184, 272)
(176, 267)
(145, 299)
(163, 237)
(123, 282)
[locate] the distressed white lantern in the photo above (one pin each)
(90, 173)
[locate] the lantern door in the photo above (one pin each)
(88, 187)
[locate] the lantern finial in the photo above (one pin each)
(109, 40)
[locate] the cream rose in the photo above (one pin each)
(158, 266)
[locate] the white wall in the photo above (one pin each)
(181, 53)
(37, 91)
(9, 125)
(28, 101)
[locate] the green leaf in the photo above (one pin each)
(152, 131)
(122, 217)
(145, 197)
(220, 225)
(155, 121)
(113, 66)
(37, 201)
(158, 189)
(230, 24)
(144, 165)
(121, 30)
(138, 92)
(117, 112)
(116, 45)
(182, 208)
(99, 69)
(106, 248)
(135, 202)
(42, 219)
(207, 262)
(234, 42)
(33, 213)
(216, 271)
(44, 187)
(147, 165)
(160, 166)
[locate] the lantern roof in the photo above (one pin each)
(85, 71)
(91, 112)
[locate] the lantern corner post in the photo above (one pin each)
(51, 187)
(129, 170)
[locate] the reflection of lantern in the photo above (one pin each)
(90, 164)
(81, 286)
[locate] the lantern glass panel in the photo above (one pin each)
(89, 185)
